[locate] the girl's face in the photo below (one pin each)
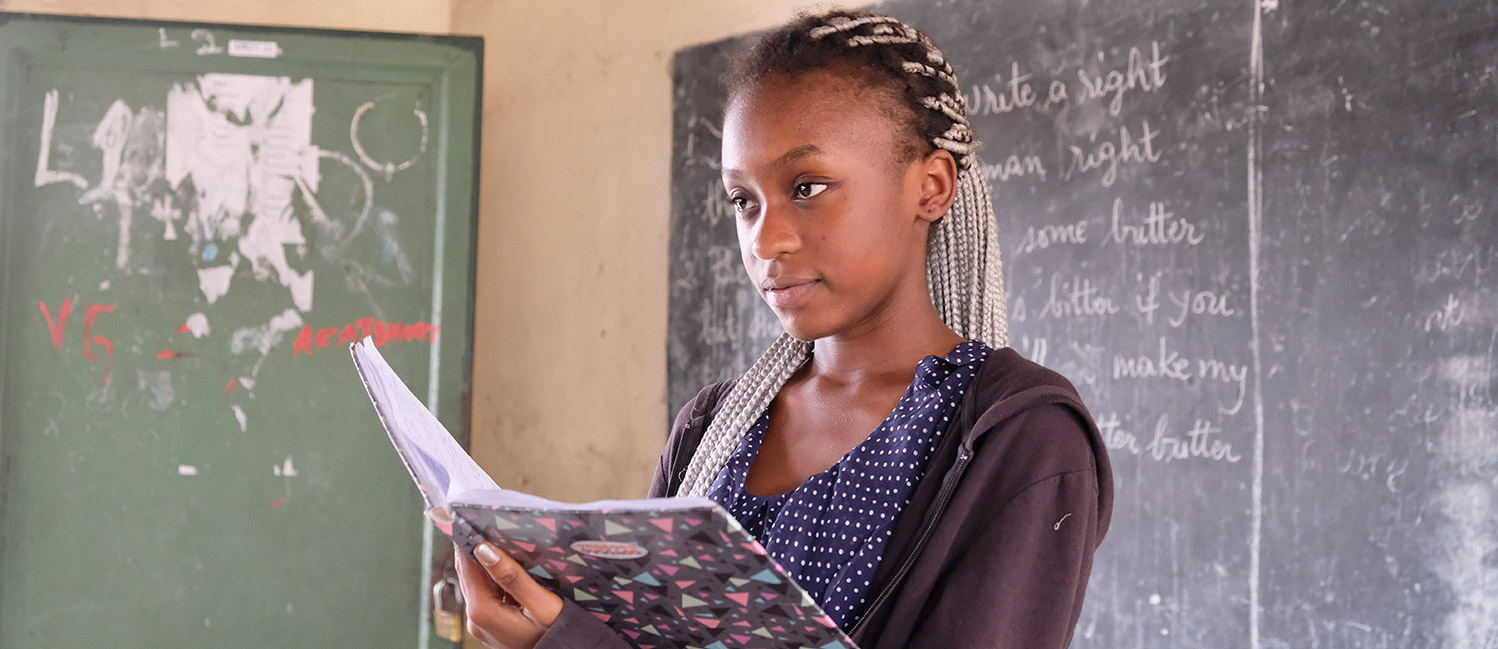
(831, 223)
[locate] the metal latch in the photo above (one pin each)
(447, 609)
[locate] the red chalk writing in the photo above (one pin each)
(55, 327)
(62, 318)
(383, 332)
(90, 340)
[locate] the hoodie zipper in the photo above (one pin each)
(949, 486)
(676, 459)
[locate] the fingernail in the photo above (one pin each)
(440, 515)
(486, 554)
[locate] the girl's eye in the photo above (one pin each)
(739, 203)
(808, 190)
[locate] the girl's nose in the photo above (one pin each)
(775, 232)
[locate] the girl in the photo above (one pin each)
(968, 517)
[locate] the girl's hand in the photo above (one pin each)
(506, 608)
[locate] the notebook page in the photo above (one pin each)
(439, 465)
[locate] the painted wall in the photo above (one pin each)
(431, 16)
(569, 395)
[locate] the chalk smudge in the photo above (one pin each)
(240, 417)
(1467, 452)
(159, 385)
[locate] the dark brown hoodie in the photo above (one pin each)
(994, 548)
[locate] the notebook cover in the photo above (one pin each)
(664, 573)
(680, 575)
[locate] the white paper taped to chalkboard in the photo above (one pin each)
(254, 49)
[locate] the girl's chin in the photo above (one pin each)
(803, 328)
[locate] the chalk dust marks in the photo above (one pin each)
(1467, 456)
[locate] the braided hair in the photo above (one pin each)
(963, 269)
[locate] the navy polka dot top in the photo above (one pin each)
(829, 532)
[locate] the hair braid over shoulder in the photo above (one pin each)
(963, 268)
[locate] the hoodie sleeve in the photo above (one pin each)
(660, 484)
(1008, 563)
(686, 431)
(576, 628)
(1020, 584)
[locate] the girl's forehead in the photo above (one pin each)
(810, 87)
(769, 134)
(811, 103)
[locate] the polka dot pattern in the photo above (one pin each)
(829, 532)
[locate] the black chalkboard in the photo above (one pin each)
(1263, 242)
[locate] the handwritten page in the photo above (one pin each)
(441, 468)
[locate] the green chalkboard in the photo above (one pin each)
(194, 221)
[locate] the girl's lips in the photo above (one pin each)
(791, 295)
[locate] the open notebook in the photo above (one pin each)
(663, 572)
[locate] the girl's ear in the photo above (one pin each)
(938, 172)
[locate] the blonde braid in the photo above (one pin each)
(741, 408)
(963, 268)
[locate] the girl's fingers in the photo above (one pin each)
(494, 618)
(472, 580)
(543, 605)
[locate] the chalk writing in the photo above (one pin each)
(45, 174)
(311, 339)
(1034, 348)
(1016, 94)
(1160, 227)
(1192, 302)
(1045, 236)
(1449, 315)
(1138, 74)
(1124, 147)
(715, 205)
(62, 317)
(1076, 297)
(1203, 441)
(1469, 214)
(1114, 436)
(1167, 364)
(764, 325)
(1015, 166)
(719, 314)
(1200, 442)
(206, 42)
(55, 328)
(1146, 304)
(1375, 467)
(389, 168)
(1234, 375)
(719, 323)
(89, 340)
